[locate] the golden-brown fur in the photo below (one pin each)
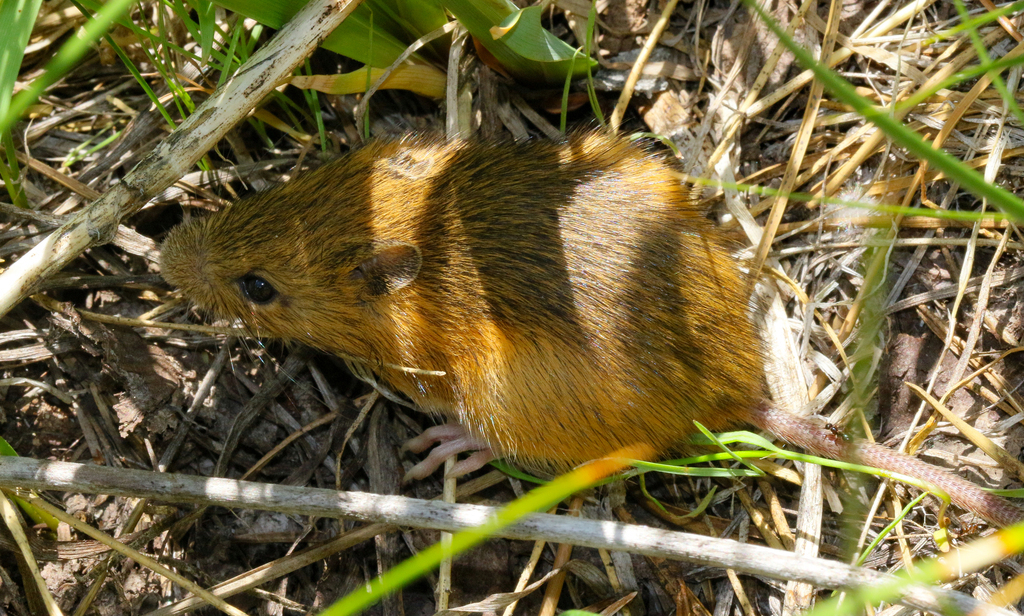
(574, 298)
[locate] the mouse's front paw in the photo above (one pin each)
(450, 439)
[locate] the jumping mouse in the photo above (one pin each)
(573, 297)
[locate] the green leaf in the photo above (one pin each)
(6, 449)
(351, 39)
(522, 45)
(36, 515)
(419, 17)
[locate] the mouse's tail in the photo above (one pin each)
(830, 443)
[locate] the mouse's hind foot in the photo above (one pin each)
(451, 439)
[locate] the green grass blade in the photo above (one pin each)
(17, 17)
(207, 13)
(863, 556)
(896, 130)
(975, 22)
(69, 54)
(539, 499)
(976, 555)
(128, 64)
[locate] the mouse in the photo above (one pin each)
(554, 301)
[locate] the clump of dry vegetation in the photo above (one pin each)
(867, 298)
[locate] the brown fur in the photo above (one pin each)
(574, 297)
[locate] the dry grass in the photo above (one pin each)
(138, 395)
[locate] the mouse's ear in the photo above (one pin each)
(390, 267)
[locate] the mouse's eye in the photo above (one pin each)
(256, 289)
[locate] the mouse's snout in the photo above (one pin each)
(184, 260)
